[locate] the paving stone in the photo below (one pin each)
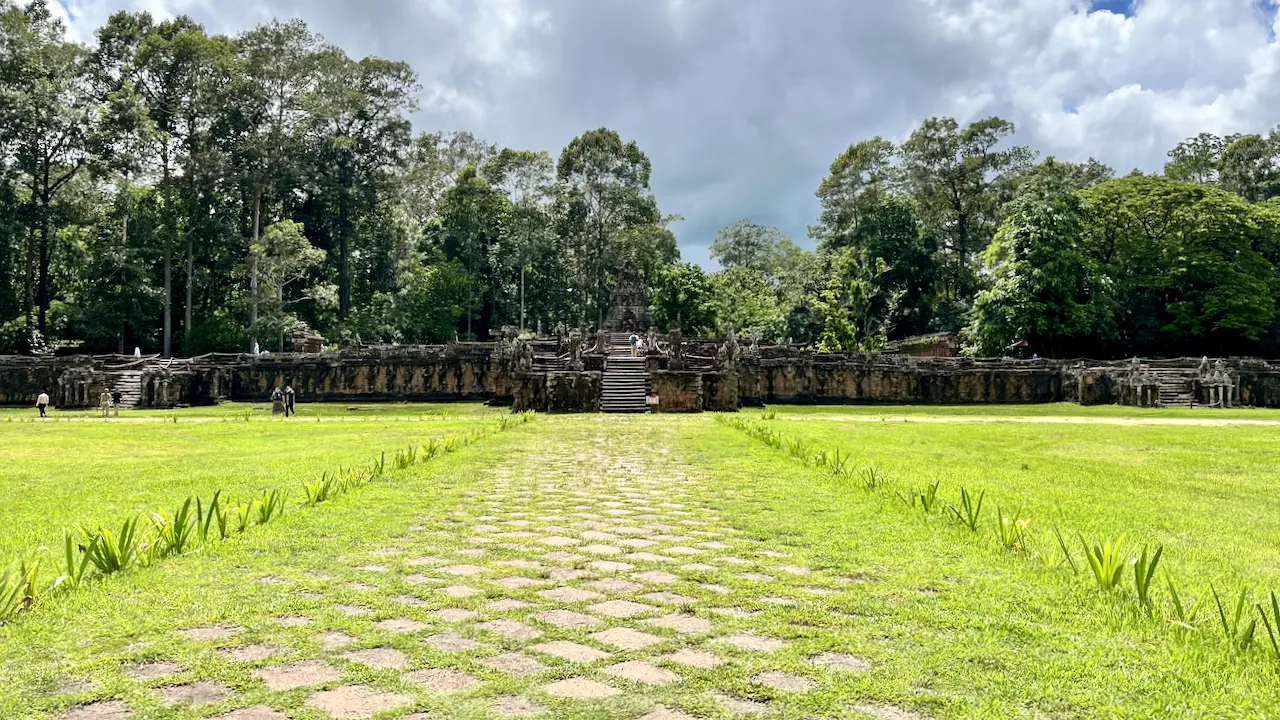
(362, 586)
(597, 535)
(668, 538)
(511, 629)
(382, 658)
(602, 549)
(462, 570)
(567, 574)
(102, 710)
(561, 556)
(657, 577)
(626, 638)
(712, 587)
(460, 591)
(567, 619)
(650, 557)
(670, 598)
(257, 712)
(819, 590)
(452, 642)
(354, 610)
(641, 672)
(569, 594)
(571, 651)
(662, 712)
(683, 550)
(288, 677)
(841, 661)
(682, 623)
(519, 582)
(731, 560)
(741, 706)
(784, 681)
(334, 640)
(626, 530)
(513, 663)
(560, 541)
(621, 608)
(610, 566)
(773, 554)
(637, 543)
(213, 632)
(196, 693)
(715, 545)
(580, 689)
(356, 702)
(507, 604)
(440, 680)
(252, 653)
(755, 643)
(373, 568)
(516, 706)
(779, 601)
(614, 585)
(416, 579)
(292, 621)
(696, 658)
(755, 577)
(400, 625)
(699, 568)
(153, 670)
(521, 564)
(887, 712)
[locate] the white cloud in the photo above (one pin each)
(743, 104)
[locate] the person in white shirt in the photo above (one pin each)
(42, 402)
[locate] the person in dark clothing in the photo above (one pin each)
(289, 409)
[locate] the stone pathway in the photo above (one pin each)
(580, 579)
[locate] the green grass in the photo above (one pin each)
(1043, 410)
(60, 474)
(953, 624)
(1206, 493)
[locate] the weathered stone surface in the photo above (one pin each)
(580, 689)
(197, 693)
(356, 702)
(440, 680)
(382, 658)
(641, 672)
(303, 674)
(102, 710)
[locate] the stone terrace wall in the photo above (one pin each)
(22, 379)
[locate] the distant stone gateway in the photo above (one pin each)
(629, 304)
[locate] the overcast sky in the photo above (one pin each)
(742, 104)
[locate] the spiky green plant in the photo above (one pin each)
(1011, 530)
(1144, 571)
(174, 534)
(112, 552)
(1272, 624)
(969, 513)
(1238, 634)
(18, 584)
(1066, 552)
(872, 478)
(1182, 616)
(75, 561)
(1106, 560)
(270, 505)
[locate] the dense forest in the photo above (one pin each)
(186, 193)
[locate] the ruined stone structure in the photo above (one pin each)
(629, 304)
(684, 376)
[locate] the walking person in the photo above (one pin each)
(104, 402)
(633, 340)
(42, 402)
(289, 408)
(116, 397)
(277, 402)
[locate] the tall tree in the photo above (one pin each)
(526, 178)
(858, 179)
(49, 118)
(606, 186)
(955, 175)
(1196, 159)
(358, 134)
(748, 244)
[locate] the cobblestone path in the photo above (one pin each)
(574, 580)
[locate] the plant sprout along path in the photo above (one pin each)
(655, 567)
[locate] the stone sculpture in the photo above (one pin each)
(575, 351)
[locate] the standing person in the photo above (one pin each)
(104, 402)
(42, 402)
(137, 351)
(640, 346)
(633, 340)
(277, 402)
(289, 409)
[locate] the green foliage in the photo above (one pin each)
(113, 552)
(1012, 531)
(969, 512)
(1182, 615)
(1271, 624)
(1106, 560)
(1144, 571)
(17, 587)
(174, 534)
(1235, 631)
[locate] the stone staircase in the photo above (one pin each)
(129, 384)
(624, 384)
(1176, 385)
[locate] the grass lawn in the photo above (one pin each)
(613, 566)
(55, 474)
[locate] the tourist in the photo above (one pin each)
(633, 340)
(104, 402)
(289, 409)
(640, 346)
(137, 351)
(277, 402)
(42, 402)
(116, 397)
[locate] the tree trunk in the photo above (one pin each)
(186, 319)
(344, 217)
(124, 303)
(28, 300)
(168, 253)
(253, 270)
(42, 282)
(522, 298)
